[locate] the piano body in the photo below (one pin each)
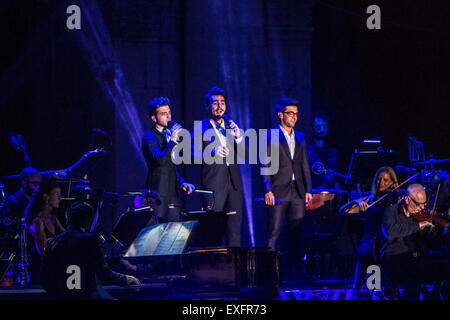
(182, 255)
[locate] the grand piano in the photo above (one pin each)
(186, 259)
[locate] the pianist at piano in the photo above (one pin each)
(74, 260)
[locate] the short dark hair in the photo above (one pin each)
(155, 104)
(80, 214)
(28, 172)
(321, 115)
(284, 102)
(214, 91)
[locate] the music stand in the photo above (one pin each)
(87, 162)
(168, 238)
(364, 164)
(129, 225)
(209, 231)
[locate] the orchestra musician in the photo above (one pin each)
(14, 207)
(406, 259)
(41, 224)
(320, 151)
(15, 204)
(80, 248)
(384, 180)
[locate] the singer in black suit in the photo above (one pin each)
(223, 175)
(157, 146)
(291, 184)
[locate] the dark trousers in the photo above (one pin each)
(228, 199)
(292, 208)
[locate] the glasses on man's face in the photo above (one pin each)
(291, 113)
(418, 203)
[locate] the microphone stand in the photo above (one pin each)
(113, 215)
(21, 145)
(110, 236)
(211, 193)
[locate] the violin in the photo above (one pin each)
(390, 196)
(435, 218)
(430, 215)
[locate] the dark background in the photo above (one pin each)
(58, 84)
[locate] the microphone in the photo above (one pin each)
(263, 200)
(204, 191)
(227, 122)
(226, 118)
(171, 124)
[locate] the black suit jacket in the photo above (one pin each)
(213, 176)
(279, 183)
(74, 247)
(162, 173)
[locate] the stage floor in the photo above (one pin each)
(326, 291)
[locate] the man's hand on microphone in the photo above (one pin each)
(175, 131)
(236, 132)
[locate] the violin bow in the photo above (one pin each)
(435, 199)
(390, 191)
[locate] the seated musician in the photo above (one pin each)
(14, 207)
(384, 180)
(405, 258)
(41, 224)
(15, 204)
(319, 151)
(77, 247)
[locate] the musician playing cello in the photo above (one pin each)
(384, 180)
